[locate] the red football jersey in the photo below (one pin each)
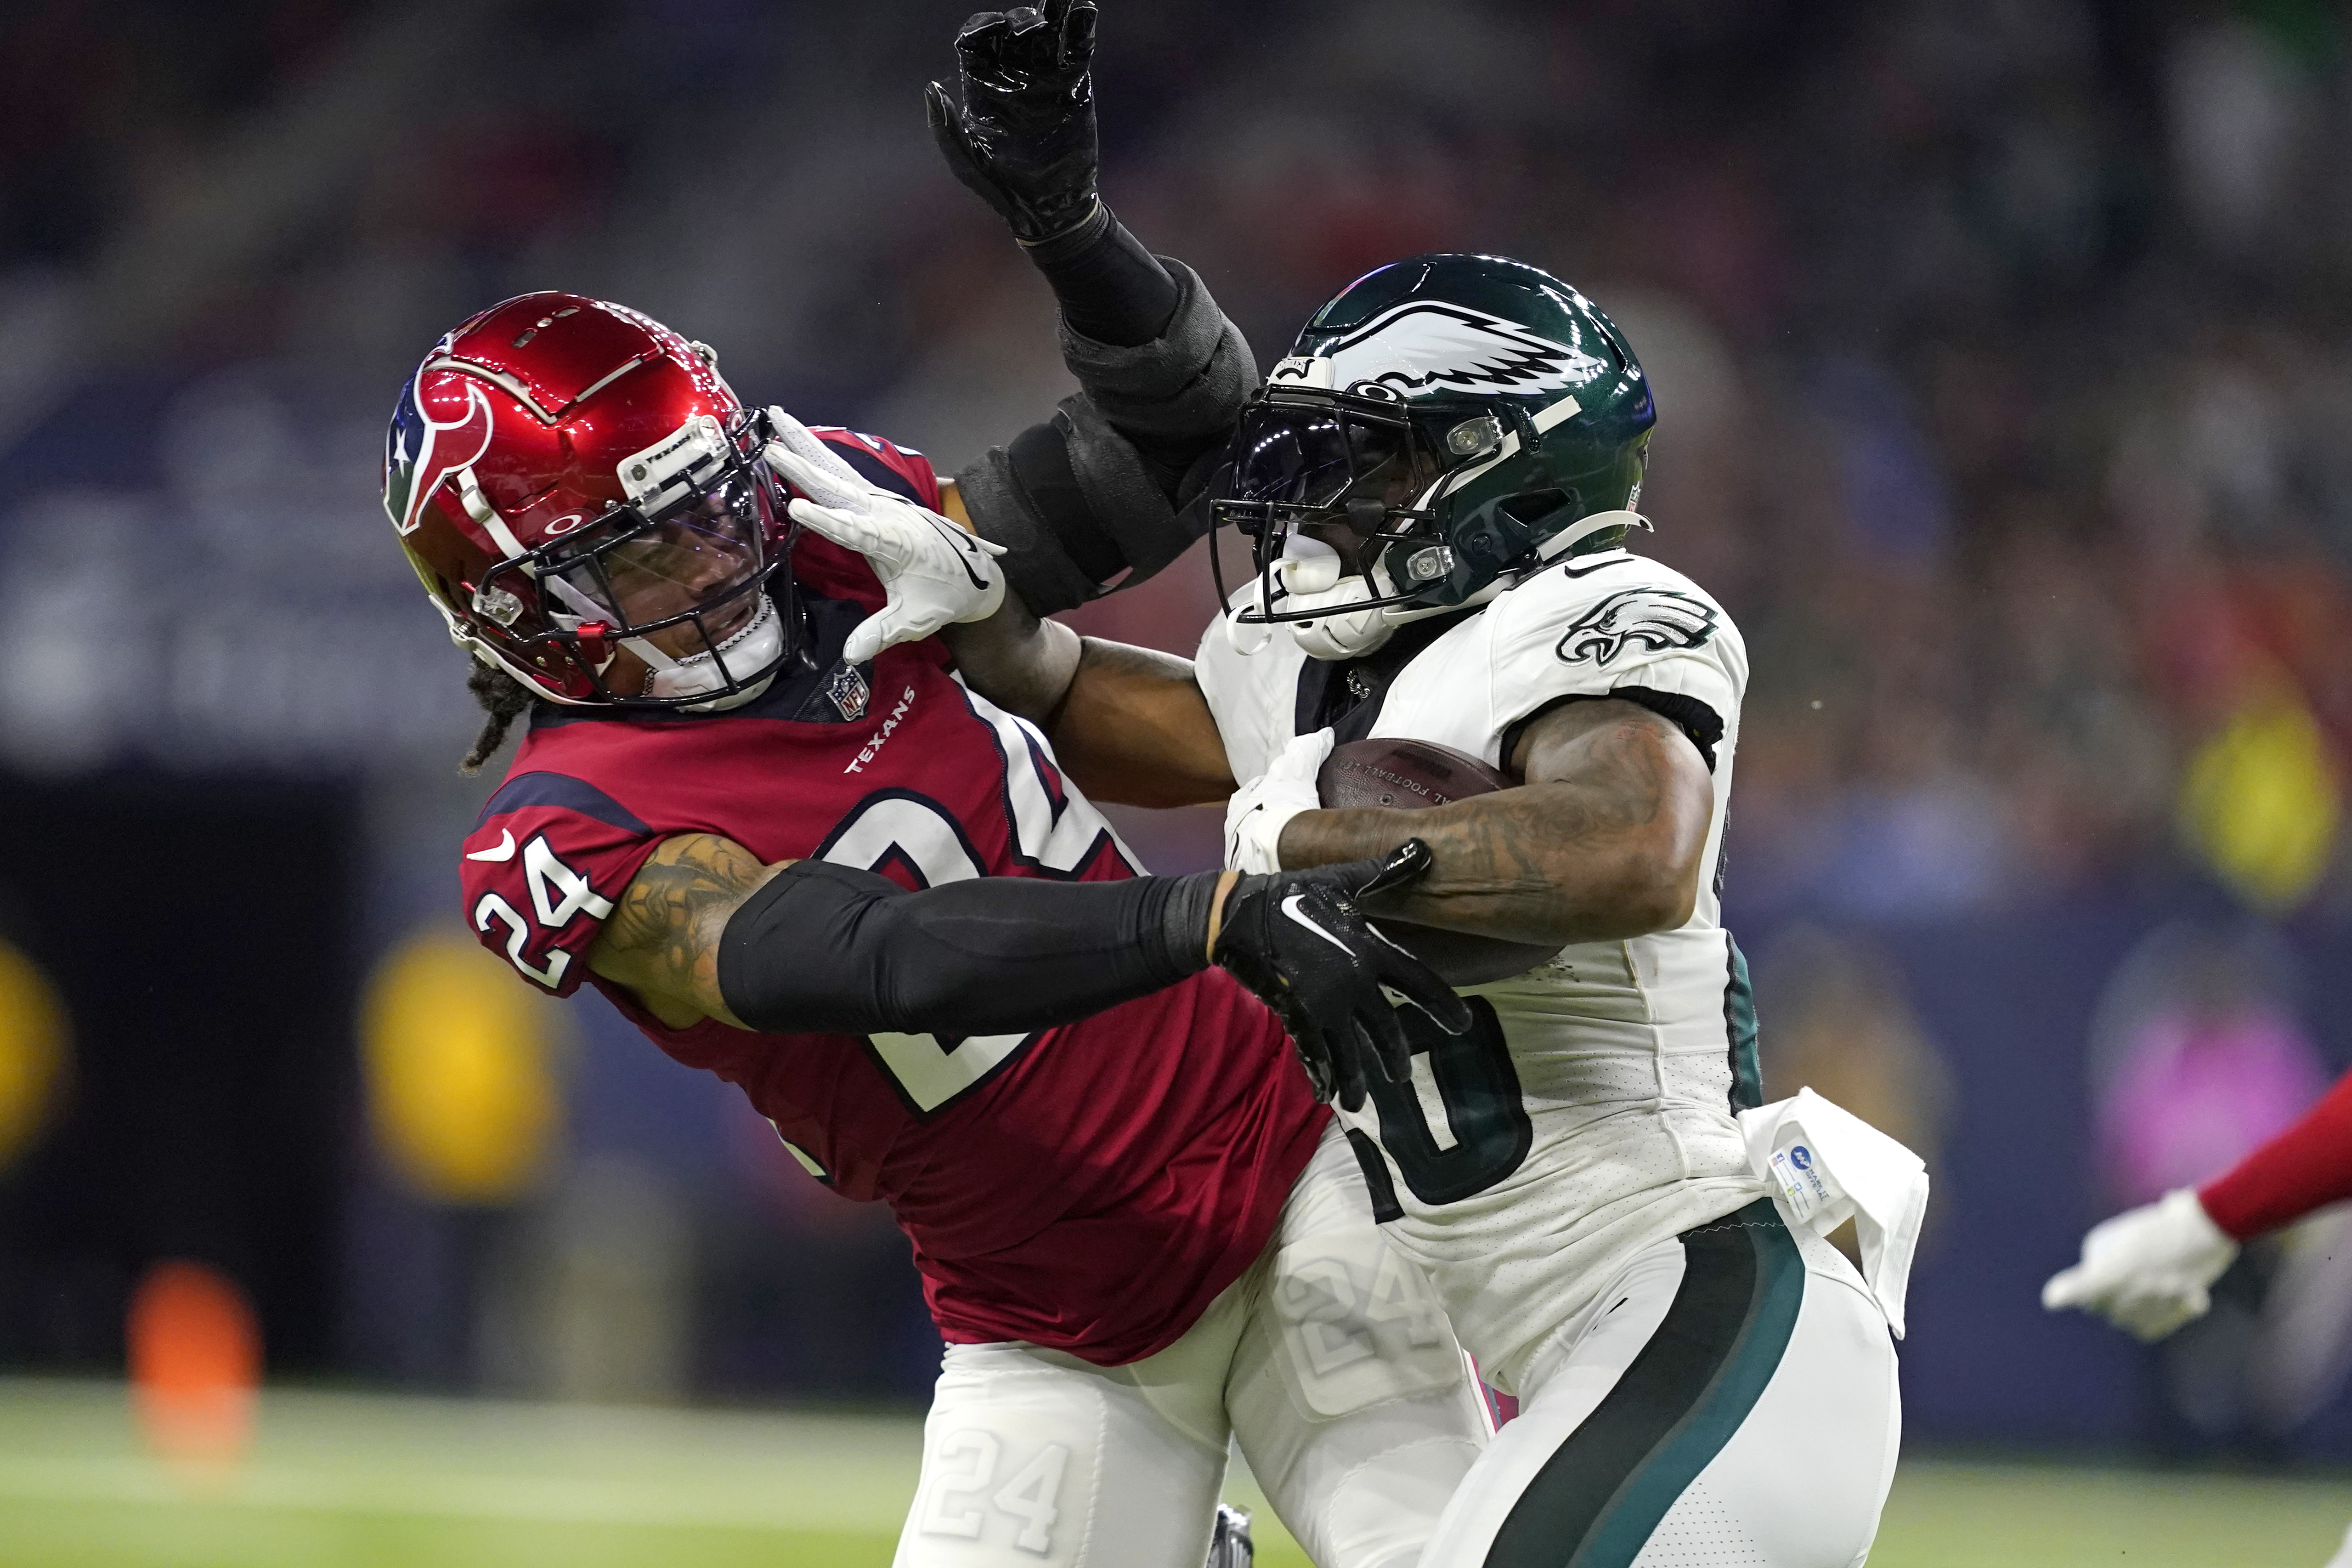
(1088, 1188)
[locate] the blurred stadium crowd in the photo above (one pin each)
(2000, 349)
(1998, 346)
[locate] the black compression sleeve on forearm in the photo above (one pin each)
(826, 949)
(1110, 288)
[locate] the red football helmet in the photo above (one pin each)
(571, 479)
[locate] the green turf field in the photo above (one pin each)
(360, 1481)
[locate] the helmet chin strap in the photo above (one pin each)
(1236, 635)
(1310, 572)
(586, 610)
(1341, 634)
(1341, 637)
(1584, 528)
(760, 641)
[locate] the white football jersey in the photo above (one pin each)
(1588, 1114)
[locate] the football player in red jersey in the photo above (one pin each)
(2147, 1270)
(756, 809)
(2150, 1271)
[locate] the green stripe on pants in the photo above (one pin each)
(1739, 1030)
(1596, 1500)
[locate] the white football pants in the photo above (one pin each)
(1729, 1400)
(1330, 1359)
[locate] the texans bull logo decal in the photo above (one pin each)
(424, 451)
(1426, 343)
(1658, 618)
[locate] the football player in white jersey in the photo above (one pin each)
(1439, 486)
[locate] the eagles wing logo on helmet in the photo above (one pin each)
(422, 451)
(1426, 343)
(1658, 618)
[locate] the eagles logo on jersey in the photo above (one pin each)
(1658, 618)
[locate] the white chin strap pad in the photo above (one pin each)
(760, 643)
(1309, 574)
(1341, 634)
(1308, 566)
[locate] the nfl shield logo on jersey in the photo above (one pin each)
(847, 690)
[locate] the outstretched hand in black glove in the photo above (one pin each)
(1300, 941)
(1024, 140)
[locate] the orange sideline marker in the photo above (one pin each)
(195, 1363)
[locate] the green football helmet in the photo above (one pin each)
(1465, 418)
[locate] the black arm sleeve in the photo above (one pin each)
(826, 949)
(1110, 484)
(1110, 288)
(1177, 395)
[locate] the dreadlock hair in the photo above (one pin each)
(504, 699)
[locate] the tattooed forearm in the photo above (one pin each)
(1603, 841)
(662, 940)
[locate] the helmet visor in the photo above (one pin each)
(1320, 454)
(1345, 469)
(695, 562)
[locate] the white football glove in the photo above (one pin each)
(1257, 813)
(934, 573)
(2147, 1269)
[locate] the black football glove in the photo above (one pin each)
(1024, 141)
(1300, 941)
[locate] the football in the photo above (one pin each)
(1412, 775)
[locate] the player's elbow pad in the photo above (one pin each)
(826, 949)
(1180, 392)
(1108, 484)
